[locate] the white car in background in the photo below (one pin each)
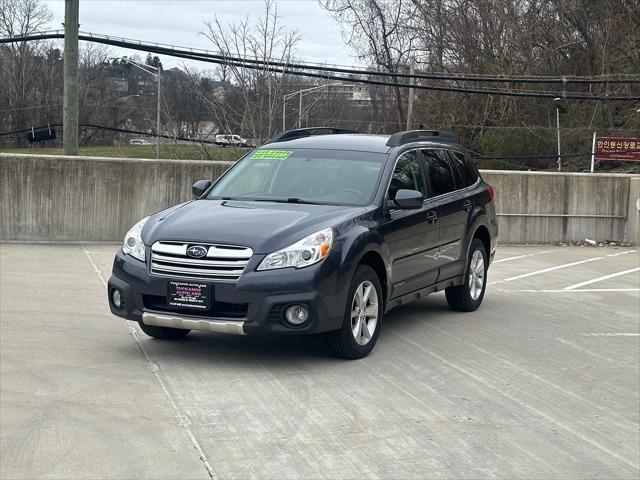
(224, 140)
(139, 141)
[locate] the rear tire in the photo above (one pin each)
(468, 296)
(362, 318)
(163, 333)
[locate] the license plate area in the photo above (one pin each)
(192, 295)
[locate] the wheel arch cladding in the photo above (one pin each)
(482, 233)
(374, 260)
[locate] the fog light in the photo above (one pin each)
(296, 314)
(116, 298)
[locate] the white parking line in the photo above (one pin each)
(608, 334)
(545, 270)
(181, 417)
(583, 290)
(622, 253)
(498, 389)
(604, 277)
(558, 267)
(518, 257)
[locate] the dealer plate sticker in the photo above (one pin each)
(188, 295)
(270, 154)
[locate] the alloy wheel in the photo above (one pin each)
(364, 312)
(476, 275)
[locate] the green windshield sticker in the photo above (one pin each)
(270, 154)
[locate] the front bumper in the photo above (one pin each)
(252, 305)
(203, 324)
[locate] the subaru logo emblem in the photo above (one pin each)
(197, 251)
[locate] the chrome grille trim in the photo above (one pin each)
(223, 262)
(195, 261)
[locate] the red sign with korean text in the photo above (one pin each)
(618, 148)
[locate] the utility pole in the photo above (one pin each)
(70, 109)
(412, 70)
(158, 116)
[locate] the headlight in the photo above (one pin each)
(133, 244)
(306, 252)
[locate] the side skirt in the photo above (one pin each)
(423, 292)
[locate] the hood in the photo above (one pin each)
(262, 226)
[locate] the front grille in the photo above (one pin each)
(222, 262)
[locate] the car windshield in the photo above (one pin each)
(303, 176)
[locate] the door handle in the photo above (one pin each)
(467, 205)
(432, 216)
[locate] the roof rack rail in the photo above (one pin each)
(307, 132)
(409, 136)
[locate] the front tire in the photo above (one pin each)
(163, 333)
(468, 296)
(362, 319)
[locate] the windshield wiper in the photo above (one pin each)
(287, 200)
(275, 200)
(300, 200)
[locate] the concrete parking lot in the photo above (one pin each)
(541, 382)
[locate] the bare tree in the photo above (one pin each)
(501, 37)
(19, 65)
(381, 32)
(253, 102)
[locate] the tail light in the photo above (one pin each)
(492, 194)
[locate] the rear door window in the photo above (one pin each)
(462, 165)
(439, 171)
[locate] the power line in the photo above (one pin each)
(504, 159)
(287, 68)
(324, 121)
(32, 107)
(566, 79)
(482, 91)
(441, 126)
(108, 129)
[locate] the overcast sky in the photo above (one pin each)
(179, 22)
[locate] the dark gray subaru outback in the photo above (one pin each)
(318, 231)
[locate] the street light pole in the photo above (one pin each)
(300, 111)
(557, 102)
(146, 68)
(284, 111)
(411, 94)
(300, 93)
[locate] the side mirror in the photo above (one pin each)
(200, 187)
(408, 199)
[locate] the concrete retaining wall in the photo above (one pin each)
(633, 226)
(521, 195)
(54, 198)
